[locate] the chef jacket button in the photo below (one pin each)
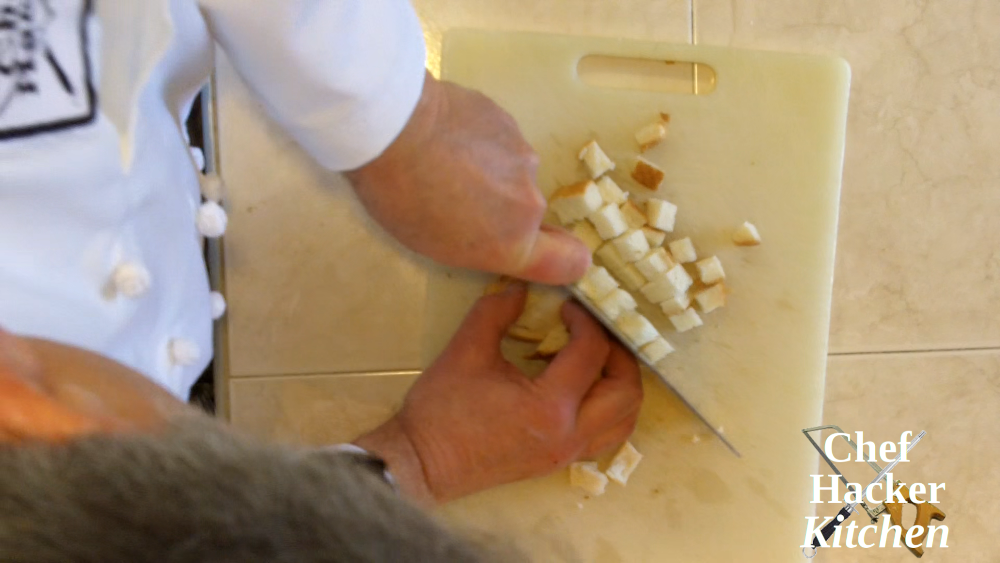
(131, 279)
(211, 187)
(212, 220)
(218, 305)
(198, 156)
(183, 352)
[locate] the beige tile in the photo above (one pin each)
(917, 262)
(660, 20)
(313, 285)
(956, 399)
(315, 410)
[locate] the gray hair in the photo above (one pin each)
(198, 493)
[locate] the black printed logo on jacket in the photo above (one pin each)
(45, 72)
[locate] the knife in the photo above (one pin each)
(613, 329)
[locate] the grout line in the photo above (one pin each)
(973, 349)
(260, 376)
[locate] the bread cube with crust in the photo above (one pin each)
(661, 214)
(685, 321)
(632, 245)
(611, 192)
(636, 328)
(596, 160)
(655, 262)
(683, 250)
(710, 270)
(608, 221)
(651, 135)
(675, 305)
(586, 475)
(711, 298)
(654, 237)
(575, 202)
(616, 303)
(647, 174)
(746, 235)
(597, 283)
(586, 232)
(634, 216)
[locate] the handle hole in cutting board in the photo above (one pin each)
(628, 73)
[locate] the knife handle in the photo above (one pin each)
(831, 526)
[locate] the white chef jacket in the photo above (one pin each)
(95, 172)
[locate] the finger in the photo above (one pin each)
(612, 438)
(28, 414)
(490, 318)
(578, 365)
(555, 257)
(617, 395)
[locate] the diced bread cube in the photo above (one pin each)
(616, 303)
(586, 475)
(586, 232)
(746, 235)
(624, 463)
(711, 298)
(636, 328)
(632, 245)
(631, 277)
(633, 215)
(656, 350)
(655, 262)
(683, 250)
(654, 237)
(576, 202)
(710, 270)
(609, 221)
(670, 283)
(661, 214)
(597, 283)
(597, 162)
(610, 257)
(647, 174)
(610, 192)
(675, 305)
(555, 340)
(650, 135)
(686, 321)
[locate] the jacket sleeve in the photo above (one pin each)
(341, 76)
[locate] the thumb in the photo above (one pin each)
(487, 323)
(555, 258)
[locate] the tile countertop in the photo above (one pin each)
(914, 334)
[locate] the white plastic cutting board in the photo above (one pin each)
(766, 146)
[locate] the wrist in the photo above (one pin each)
(391, 443)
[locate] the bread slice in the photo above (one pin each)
(647, 174)
(683, 250)
(623, 464)
(576, 201)
(611, 192)
(608, 221)
(586, 475)
(710, 270)
(554, 341)
(542, 312)
(661, 214)
(596, 160)
(634, 216)
(746, 235)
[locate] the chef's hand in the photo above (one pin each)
(458, 185)
(473, 421)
